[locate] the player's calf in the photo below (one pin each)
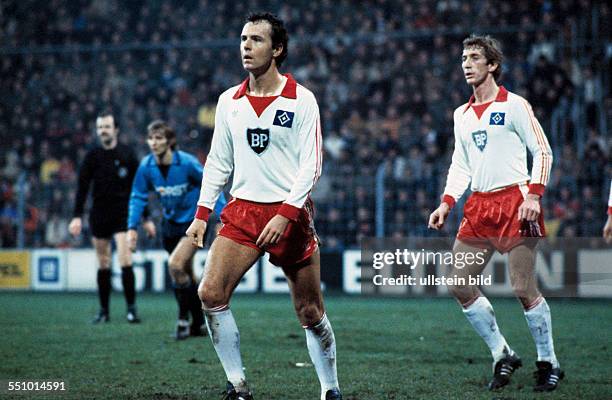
(309, 313)
(321, 345)
(212, 296)
(226, 341)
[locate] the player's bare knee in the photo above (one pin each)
(521, 290)
(212, 300)
(457, 291)
(463, 294)
(125, 260)
(524, 293)
(175, 261)
(176, 269)
(104, 261)
(309, 313)
(212, 296)
(178, 275)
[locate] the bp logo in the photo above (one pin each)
(480, 139)
(258, 139)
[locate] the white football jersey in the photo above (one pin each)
(275, 156)
(491, 151)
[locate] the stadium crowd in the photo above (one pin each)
(386, 74)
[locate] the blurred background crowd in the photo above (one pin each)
(386, 74)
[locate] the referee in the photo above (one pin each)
(111, 169)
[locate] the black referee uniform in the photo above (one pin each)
(111, 173)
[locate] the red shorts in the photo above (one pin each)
(490, 219)
(243, 221)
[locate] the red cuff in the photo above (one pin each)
(448, 199)
(289, 211)
(609, 210)
(203, 213)
(536, 188)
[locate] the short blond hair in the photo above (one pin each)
(491, 49)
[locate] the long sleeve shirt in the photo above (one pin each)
(178, 191)
(274, 152)
(491, 148)
(111, 173)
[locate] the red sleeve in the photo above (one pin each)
(289, 211)
(203, 213)
(536, 188)
(448, 199)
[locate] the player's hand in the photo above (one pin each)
(196, 232)
(75, 226)
(132, 239)
(530, 208)
(149, 228)
(607, 230)
(273, 231)
(438, 217)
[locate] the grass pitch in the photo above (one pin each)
(387, 349)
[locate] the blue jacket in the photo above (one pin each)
(178, 192)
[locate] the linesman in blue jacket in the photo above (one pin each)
(176, 177)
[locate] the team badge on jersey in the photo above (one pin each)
(480, 139)
(284, 118)
(258, 139)
(497, 118)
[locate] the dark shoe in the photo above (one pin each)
(101, 317)
(231, 394)
(333, 394)
(547, 377)
(197, 330)
(182, 330)
(132, 316)
(503, 370)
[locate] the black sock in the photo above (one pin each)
(104, 287)
(197, 314)
(181, 292)
(129, 290)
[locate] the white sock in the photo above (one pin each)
(540, 325)
(322, 349)
(481, 316)
(226, 341)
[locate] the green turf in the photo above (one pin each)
(387, 349)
